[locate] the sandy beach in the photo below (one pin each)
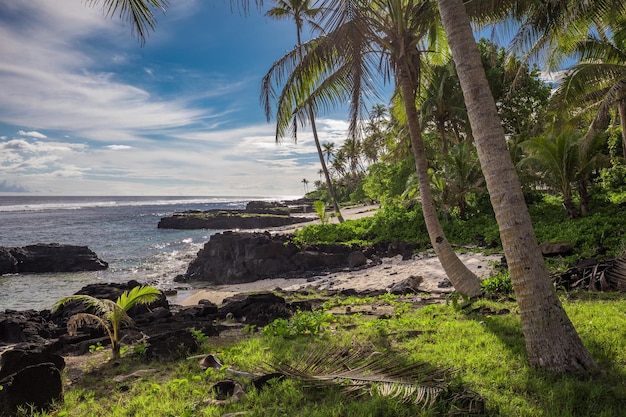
(375, 277)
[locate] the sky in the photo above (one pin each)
(85, 109)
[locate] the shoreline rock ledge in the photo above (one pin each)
(256, 215)
(49, 257)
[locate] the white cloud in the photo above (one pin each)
(118, 147)
(32, 134)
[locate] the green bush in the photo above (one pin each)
(499, 284)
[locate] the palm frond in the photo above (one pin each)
(79, 320)
(143, 294)
(358, 371)
(616, 274)
(139, 13)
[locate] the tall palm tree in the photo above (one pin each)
(365, 38)
(302, 11)
(551, 340)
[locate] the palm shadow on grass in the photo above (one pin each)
(602, 394)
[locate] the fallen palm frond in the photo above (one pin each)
(358, 371)
(607, 275)
(616, 274)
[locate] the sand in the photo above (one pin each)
(375, 277)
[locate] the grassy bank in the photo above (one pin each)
(481, 343)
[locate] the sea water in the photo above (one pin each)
(120, 230)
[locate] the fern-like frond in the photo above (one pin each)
(358, 371)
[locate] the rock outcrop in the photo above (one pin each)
(256, 215)
(239, 257)
(49, 257)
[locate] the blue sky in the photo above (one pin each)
(86, 110)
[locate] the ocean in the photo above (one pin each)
(120, 230)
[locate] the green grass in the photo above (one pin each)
(482, 342)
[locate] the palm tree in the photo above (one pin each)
(365, 37)
(598, 81)
(558, 159)
(303, 11)
(305, 182)
(441, 102)
(108, 314)
(551, 340)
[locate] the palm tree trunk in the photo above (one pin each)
(320, 153)
(551, 340)
(621, 108)
(464, 280)
(329, 183)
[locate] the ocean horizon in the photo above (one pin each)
(121, 230)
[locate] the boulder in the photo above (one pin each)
(239, 257)
(49, 257)
(36, 385)
(258, 309)
(14, 360)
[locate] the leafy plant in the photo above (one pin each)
(302, 323)
(199, 336)
(499, 284)
(110, 315)
(320, 209)
(96, 348)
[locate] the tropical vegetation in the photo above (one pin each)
(472, 141)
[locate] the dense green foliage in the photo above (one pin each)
(482, 341)
(600, 234)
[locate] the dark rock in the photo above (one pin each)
(258, 309)
(228, 219)
(26, 326)
(171, 345)
(14, 360)
(356, 259)
(8, 263)
(556, 249)
(37, 386)
(52, 257)
(238, 257)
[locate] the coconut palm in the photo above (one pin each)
(598, 81)
(302, 11)
(364, 39)
(557, 158)
(108, 314)
(551, 340)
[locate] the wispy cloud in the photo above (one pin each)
(90, 118)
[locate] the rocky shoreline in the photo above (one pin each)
(256, 215)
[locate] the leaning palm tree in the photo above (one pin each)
(109, 314)
(551, 340)
(302, 11)
(364, 39)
